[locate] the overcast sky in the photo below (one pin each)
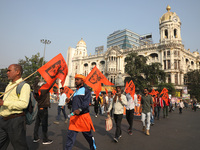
(23, 23)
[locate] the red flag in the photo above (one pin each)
(95, 78)
(55, 68)
(68, 91)
(106, 91)
(114, 92)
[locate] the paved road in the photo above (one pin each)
(178, 132)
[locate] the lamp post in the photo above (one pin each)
(45, 42)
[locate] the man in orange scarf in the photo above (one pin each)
(80, 120)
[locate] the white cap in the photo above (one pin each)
(41, 83)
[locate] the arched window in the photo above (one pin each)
(175, 33)
(166, 33)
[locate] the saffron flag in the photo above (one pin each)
(97, 93)
(130, 89)
(153, 92)
(51, 90)
(68, 91)
(165, 96)
(106, 91)
(55, 68)
(114, 92)
(95, 78)
(164, 91)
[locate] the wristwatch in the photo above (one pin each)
(80, 109)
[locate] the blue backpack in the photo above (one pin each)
(32, 109)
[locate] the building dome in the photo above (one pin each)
(169, 16)
(81, 42)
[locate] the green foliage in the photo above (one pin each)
(193, 82)
(30, 65)
(3, 79)
(141, 74)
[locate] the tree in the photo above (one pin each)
(169, 86)
(30, 65)
(192, 79)
(3, 79)
(154, 74)
(142, 74)
(135, 66)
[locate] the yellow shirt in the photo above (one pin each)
(12, 103)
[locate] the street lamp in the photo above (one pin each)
(45, 42)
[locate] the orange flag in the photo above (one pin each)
(106, 91)
(130, 89)
(68, 91)
(97, 93)
(55, 68)
(95, 78)
(165, 95)
(114, 92)
(164, 91)
(153, 92)
(51, 90)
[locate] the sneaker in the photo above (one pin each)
(56, 122)
(116, 140)
(95, 116)
(66, 121)
(36, 140)
(130, 133)
(119, 136)
(47, 142)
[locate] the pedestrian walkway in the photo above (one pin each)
(179, 131)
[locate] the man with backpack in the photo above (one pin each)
(12, 116)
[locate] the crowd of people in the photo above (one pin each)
(12, 116)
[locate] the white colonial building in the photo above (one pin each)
(170, 52)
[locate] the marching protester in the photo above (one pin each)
(12, 117)
(166, 108)
(119, 102)
(61, 105)
(101, 107)
(181, 106)
(110, 103)
(43, 100)
(131, 103)
(158, 105)
(80, 120)
(146, 104)
(96, 105)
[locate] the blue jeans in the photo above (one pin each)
(63, 111)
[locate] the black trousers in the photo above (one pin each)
(129, 118)
(42, 117)
(96, 109)
(118, 120)
(14, 131)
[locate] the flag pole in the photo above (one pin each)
(18, 83)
